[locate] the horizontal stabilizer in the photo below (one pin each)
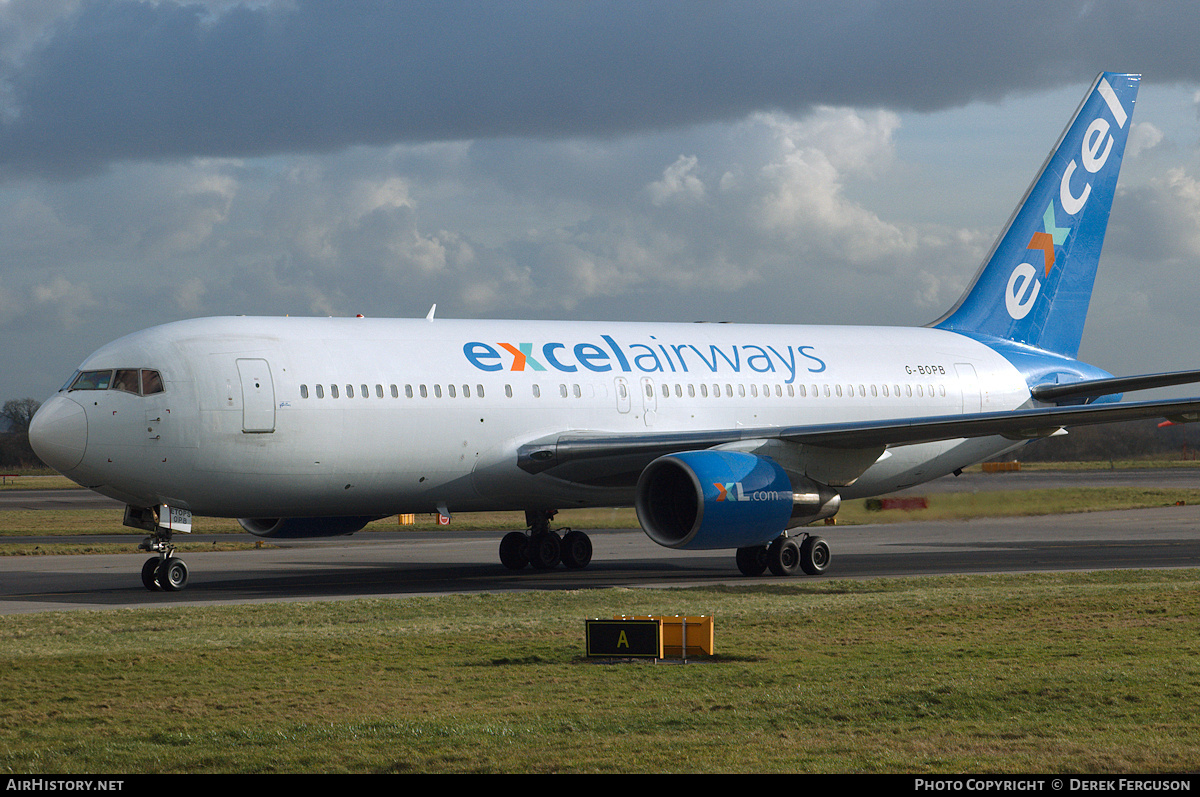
(1093, 388)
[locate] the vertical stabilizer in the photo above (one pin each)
(1035, 285)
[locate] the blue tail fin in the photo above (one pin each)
(1035, 285)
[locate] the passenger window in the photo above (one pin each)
(479, 391)
(304, 391)
(396, 391)
(364, 393)
(450, 390)
(126, 380)
(349, 391)
(424, 392)
(437, 391)
(320, 391)
(333, 391)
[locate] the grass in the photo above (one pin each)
(1021, 503)
(1062, 673)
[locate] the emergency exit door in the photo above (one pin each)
(258, 396)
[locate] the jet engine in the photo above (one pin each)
(724, 499)
(299, 527)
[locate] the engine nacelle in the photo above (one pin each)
(713, 499)
(300, 527)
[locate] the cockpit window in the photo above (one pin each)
(92, 380)
(151, 383)
(126, 380)
(129, 380)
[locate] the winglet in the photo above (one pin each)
(1036, 283)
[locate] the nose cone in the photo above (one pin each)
(58, 433)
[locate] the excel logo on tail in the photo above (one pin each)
(1024, 284)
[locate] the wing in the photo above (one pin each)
(617, 459)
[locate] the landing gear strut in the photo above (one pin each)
(165, 572)
(541, 547)
(785, 556)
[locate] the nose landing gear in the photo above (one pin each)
(165, 572)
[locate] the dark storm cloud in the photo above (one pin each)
(118, 79)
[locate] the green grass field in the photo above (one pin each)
(1062, 673)
(1002, 674)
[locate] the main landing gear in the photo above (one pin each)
(165, 572)
(541, 546)
(785, 556)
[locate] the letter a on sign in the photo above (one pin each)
(624, 638)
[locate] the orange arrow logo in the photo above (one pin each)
(1045, 242)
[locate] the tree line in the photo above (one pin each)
(15, 452)
(1129, 440)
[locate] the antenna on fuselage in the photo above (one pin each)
(431, 309)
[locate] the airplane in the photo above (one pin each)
(722, 436)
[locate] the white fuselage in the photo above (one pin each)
(295, 417)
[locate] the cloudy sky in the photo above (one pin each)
(841, 162)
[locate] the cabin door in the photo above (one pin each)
(258, 396)
(969, 381)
